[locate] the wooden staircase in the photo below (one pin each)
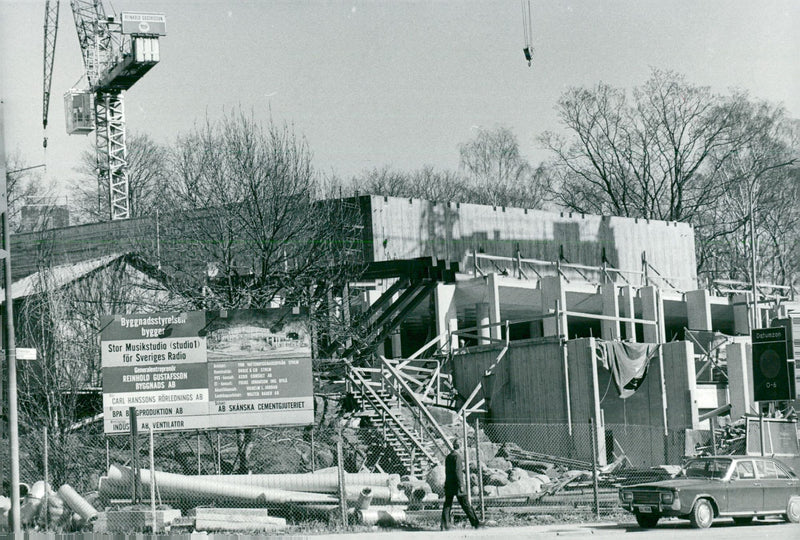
(407, 426)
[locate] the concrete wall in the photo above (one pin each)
(531, 387)
(522, 392)
(396, 228)
(404, 228)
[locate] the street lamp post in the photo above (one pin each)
(753, 255)
(8, 334)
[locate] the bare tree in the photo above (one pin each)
(426, 183)
(148, 181)
(760, 191)
(259, 232)
(25, 186)
(646, 156)
(494, 173)
(499, 175)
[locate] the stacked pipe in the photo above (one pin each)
(117, 484)
(257, 489)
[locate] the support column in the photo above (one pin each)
(698, 309)
(609, 329)
(742, 313)
(652, 307)
(552, 290)
(628, 310)
(691, 382)
(494, 305)
(452, 325)
(397, 344)
(445, 307)
(739, 379)
(535, 329)
(482, 320)
(597, 412)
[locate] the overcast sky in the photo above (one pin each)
(396, 83)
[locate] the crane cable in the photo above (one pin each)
(526, 27)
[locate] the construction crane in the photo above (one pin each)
(116, 53)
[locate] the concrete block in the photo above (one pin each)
(698, 309)
(236, 519)
(137, 519)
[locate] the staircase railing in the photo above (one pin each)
(426, 382)
(424, 418)
(404, 435)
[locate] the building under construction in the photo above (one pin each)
(518, 315)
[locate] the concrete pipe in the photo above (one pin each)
(384, 516)
(382, 495)
(310, 482)
(419, 494)
(364, 499)
(78, 504)
(118, 482)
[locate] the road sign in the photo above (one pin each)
(26, 354)
(770, 366)
(206, 370)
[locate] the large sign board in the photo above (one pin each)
(770, 366)
(206, 370)
(154, 24)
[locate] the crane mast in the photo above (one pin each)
(116, 54)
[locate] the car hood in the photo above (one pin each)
(676, 483)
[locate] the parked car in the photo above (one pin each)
(740, 487)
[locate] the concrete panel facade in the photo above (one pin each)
(405, 228)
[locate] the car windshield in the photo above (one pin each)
(706, 468)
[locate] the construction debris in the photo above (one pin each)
(520, 457)
(730, 440)
(135, 518)
(235, 519)
(384, 516)
(78, 504)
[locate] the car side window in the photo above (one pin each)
(766, 469)
(745, 471)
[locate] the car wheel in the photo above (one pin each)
(743, 520)
(647, 521)
(793, 510)
(702, 514)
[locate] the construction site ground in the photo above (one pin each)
(722, 529)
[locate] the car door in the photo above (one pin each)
(789, 485)
(774, 490)
(744, 490)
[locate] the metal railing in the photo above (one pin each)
(525, 268)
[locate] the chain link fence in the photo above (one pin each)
(574, 469)
(264, 479)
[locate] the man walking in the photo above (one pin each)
(454, 487)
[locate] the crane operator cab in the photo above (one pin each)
(79, 109)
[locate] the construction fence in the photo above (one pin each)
(331, 475)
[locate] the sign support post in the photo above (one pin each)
(134, 455)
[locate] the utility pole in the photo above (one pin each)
(8, 334)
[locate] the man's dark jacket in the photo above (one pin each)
(453, 473)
